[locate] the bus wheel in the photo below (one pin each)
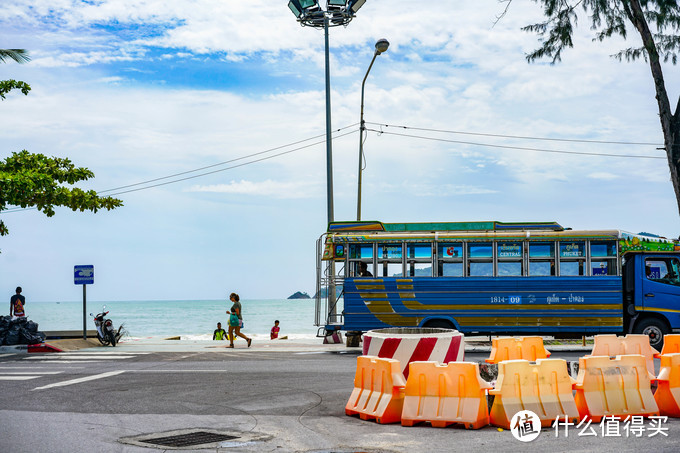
(439, 323)
(655, 329)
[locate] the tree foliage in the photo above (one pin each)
(655, 22)
(36, 181)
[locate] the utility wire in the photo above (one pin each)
(480, 134)
(212, 166)
(229, 168)
(516, 147)
(225, 162)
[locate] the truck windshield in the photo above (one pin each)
(663, 270)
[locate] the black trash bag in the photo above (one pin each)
(3, 334)
(12, 337)
(26, 337)
(32, 327)
(4, 323)
(20, 321)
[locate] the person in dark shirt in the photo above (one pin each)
(363, 270)
(16, 304)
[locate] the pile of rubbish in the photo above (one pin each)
(19, 331)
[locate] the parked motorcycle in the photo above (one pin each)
(106, 333)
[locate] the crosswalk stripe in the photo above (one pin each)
(5, 355)
(79, 380)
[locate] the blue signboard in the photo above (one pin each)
(83, 275)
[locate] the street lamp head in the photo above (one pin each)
(381, 46)
(354, 5)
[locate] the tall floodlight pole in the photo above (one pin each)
(310, 14)
(380, 47)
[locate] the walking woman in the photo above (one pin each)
(236, 320)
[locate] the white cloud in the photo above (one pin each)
(267, 188)
(603, 175)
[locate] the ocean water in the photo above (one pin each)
(190, 319)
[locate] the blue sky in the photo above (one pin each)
(138, 90)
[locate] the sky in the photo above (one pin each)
(137, 90)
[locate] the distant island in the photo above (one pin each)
(299, 295)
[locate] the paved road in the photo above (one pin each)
(106, 400)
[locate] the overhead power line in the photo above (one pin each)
(521, 148)
(519, 137)
(118, 191)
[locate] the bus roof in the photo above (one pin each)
(336, 227)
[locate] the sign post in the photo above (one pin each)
(84, 275)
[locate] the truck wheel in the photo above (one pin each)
(439, 323)
(655, 329)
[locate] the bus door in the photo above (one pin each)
(661, 287)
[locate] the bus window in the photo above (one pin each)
(509, 257)
(602, 267)
(360, 251)
(541, 259)
(450, 259)
(603, 258)
(450, 269)
(480, 259)
(389, 260)
(571, 268)
(572, 258)
(419, 260)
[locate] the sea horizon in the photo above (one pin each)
(193, 319)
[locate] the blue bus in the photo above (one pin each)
(496, 278)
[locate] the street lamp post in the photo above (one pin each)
(380, 47)
(310, 14)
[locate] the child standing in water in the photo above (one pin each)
(274, 334)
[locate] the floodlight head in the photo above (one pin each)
(337, 2)
(295, 7)
(308, 4)
(354, 5)
(381, 46)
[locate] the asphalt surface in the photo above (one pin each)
(269, 398)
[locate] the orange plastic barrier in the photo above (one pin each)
(445, 394)
(667, 394)
(620, 387)
(671, 344)
(517, 348)
(611, 345)
(544, 388)
(378, 390)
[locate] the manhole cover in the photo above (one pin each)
(189, 439)
(196, 438)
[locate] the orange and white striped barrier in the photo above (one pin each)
(612, 346)
(378, 390)
(667, 395)
(544, 388)
(445, 394)
(619, 387)
(415, 345)
(517, 348)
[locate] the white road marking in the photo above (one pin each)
(5, 373)
(78, 357)
(79, 380)
(17, 378)
(6, 355)
(107, 352)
